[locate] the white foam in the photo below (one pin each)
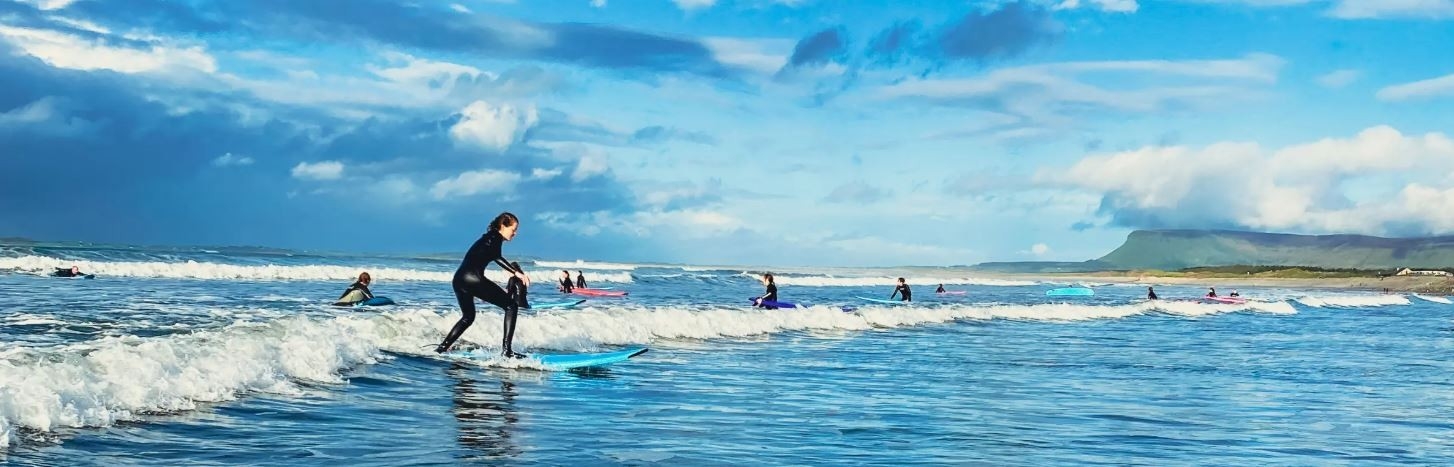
(581, 264)
(833, 281)
(1444, 300)
(207, 270)
(113, 379)
(1351, 301)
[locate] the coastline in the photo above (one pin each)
(1393, 284)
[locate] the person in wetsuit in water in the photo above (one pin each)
(517, 288)
(940, 289)
(470, 282)
(770, 295)
(1150, 294)
(565, 283)
(1234, 293)
(359, 290)
(580, 279)
(74, 271)
(903, 289)
(1213, 292)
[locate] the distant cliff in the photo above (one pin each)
(1179, 249)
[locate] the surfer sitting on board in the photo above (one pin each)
(74, 271)
(470, 282)
(580, 279)
(770, 295)
(1213, 293)
(903, 289)
(517, 289)
(565, 284)
(1150, 293)
(357, 292)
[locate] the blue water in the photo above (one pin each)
(183, 357)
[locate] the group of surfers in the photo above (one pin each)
(1211, 293)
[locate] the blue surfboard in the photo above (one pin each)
(562, 361)
(1070, 292)
(376, 301)
(546, 306)
(772, 303)
(884, 302)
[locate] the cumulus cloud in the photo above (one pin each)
(591, 164)
(324, 170)
(544, 174)
(1039, 249)
(475, 182)
(1115, 6)
(1372, 183)
(493, 127)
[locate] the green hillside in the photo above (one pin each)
(1178, 249)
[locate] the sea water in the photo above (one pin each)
(194, 356)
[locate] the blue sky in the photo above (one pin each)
(772, 132)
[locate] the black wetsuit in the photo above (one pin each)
(770, 296)
(470, 283)
(939, 290)
(565, 286)
(903, 289)
(1151, 295)
(66, 272)
(580, 281)
(352, 287)
(516, 288)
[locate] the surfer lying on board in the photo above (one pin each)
(470, 282)
(74, 271)
(1150, 294)
(357, 292)
(565, 283)
(770, 295)
(902, 289)
(517, 288)
(1213, 292)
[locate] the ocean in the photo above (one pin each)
(192, 356)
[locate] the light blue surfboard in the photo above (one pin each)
(561, 361)
(1070, 292)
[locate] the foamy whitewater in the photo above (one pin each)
(181, 356)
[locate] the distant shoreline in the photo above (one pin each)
(1398, 284)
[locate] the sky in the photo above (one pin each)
(761, 132)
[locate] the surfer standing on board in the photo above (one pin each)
(470, 282)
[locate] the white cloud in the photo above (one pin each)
(475, 182)
(544, 174)
(598, 3)
(1115, 6)
(494, 128)
(684, 223)
(1039, 249)
(765, 56)
(67, 51)
(50, 5)
(229, 160)
(1339, 78)
(689, 5)
(1304, 188)
(1442, 86)
(592, 163)
(459, 8)
(325, 170)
